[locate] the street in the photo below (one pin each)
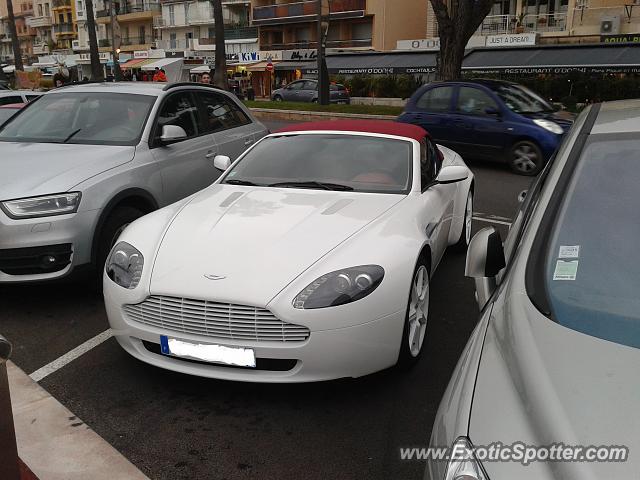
(173, 426)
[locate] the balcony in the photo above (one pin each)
(236, 34)
(40, 49)
(130, 12)
(26, 32)
(129, 43)
(61, 4)
(63, 29)
(306, 11)
(5, 38)
(232, 3)
(37, 22)
(508, 24)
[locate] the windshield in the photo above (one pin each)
(522, 100)
(81, 118)
(6, 114)
(333, 161)
(592, 265)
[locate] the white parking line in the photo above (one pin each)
(70, 356)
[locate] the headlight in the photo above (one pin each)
(44, 206)
(124, 265)
(553, 127)
(340, 287)
(463, 464)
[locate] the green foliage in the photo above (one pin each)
(382, 86)
(314, 107)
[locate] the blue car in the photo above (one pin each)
(489, 119)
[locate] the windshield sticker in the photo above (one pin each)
(566, 270)
(569, 251)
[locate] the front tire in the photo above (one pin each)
(465, 236)
(277, 98)
(415, 325)
(525, 158)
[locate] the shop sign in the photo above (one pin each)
(141, 54)
(249, 57)
(275, 55)
(623, 38)
(103, 56)
(517, 39)
(307, 54)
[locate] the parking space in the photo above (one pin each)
(173, 426)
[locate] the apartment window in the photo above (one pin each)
(142, 34)
(60, 18)
(303, 34)
(361, 31)
(47, 12)
(79, 8)
(172, 15)
(186, 14)
(212, 32)
(173, 41)
(40, 10)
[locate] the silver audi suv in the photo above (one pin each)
(84, 161)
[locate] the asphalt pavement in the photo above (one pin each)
(173, 426)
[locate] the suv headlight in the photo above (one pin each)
(124, 265)
(44, 206)
(340, 287)
(463, 465)
(553, 127)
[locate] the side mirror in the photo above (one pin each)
(492, 111)
(172, 134)
(221, 162)
(522, 196)
(485, 259)
(452, 174)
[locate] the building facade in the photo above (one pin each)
(354, 24)
(135, 19)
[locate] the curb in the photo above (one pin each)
(306, 116)
(55, 444)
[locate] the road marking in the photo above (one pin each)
(70, 356)
(480, 217)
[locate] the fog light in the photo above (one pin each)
(48, 260)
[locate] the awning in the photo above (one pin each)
(160, 63)
(293, 65)
(604, 58)
(43, 64)
(137, 62)
(261, 66)
(370, 63)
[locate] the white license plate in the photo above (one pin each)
(242, 357)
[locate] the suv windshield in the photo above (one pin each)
(592, 265)
(81, 118)
(327, 161)
(522, 100)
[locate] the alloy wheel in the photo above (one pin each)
(418, 310)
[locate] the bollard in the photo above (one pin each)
(9, 469)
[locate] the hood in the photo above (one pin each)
(30, 169)
(542, 383)
(258, 239)
(562, 118)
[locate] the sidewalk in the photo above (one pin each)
(56, 445)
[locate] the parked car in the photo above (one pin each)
(8, 97)
(309, 259)
(491, 120)
(307, 91)
(8, 111)
(84, 161)
(556, 354)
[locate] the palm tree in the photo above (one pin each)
(220, 73)
(96, 69)
(17, 54)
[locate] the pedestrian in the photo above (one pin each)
(205, 78)
(162, 76)
(156, 75)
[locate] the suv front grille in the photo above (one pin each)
(214, 319)
(35, 260)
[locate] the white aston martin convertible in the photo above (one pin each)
(308, 259)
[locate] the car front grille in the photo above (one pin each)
(215, 320)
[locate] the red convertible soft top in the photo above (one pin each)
(367, 126)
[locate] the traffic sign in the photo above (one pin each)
(269, 67)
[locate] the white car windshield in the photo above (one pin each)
(327, 161)
(592, 265)
(81, 118)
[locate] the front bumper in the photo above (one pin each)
(325, 355)
(25, 243)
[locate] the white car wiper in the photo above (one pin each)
(313, 184)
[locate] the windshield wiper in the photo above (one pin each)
(314, 184)
(73, 134)
(242, 182)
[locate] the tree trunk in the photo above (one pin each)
(450, 56)
(97, 74)
(220, 72)
(15, 43)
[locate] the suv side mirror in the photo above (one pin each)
(485, 259)
(452, 174)
(221, 162)
(172, 134)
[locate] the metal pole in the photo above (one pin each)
(9, 469)
(117, 74)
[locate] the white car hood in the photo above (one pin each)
(258, 239)
(30, 169)
(542, 383)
